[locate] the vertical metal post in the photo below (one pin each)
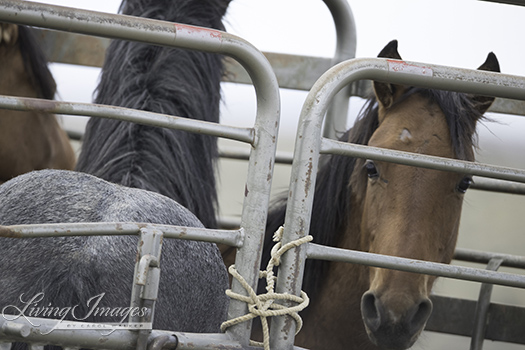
(482, 308)
(337, 114)
(258, 181)
(146, 280)
(261, 163)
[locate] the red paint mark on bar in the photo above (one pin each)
(198, 31)
(404, 67)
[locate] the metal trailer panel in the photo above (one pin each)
(345, 49)
(292, 71)
(308, 147)
(260, 169)
(455, 316)
(412, 66)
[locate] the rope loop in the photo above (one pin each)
(263, 305)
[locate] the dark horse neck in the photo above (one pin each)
(183, 83)
(332, 213)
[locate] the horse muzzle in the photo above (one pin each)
(394, 330)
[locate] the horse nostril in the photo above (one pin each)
(370, 312)
(421, 315)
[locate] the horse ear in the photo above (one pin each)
(482, 103)
(387, 93)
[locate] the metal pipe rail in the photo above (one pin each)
(246, 135)
(309, 145)
(345, 49)
(319, 252)
(234, 238)
(261, 163)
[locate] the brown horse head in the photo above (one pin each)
(29, 140)
(413, 212)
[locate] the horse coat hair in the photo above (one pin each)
(70, 270)
(175, 164)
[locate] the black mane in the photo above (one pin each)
(331, 205)
(178, 82)
(35, 62)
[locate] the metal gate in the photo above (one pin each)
(346, 76)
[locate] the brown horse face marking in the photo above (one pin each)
(408, 212)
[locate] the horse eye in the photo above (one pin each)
(464, 184)
(371, 170)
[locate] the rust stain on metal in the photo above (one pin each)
(203, 32)
(246, 191)
(40, 105)
(7, 232)
(308, 181)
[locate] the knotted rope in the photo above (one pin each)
(263, 305)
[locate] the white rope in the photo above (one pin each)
(263, 305)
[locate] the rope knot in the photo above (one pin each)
(263, 305)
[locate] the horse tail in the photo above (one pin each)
(171, 81)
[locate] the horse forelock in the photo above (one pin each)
(35, 63)
(460, 114)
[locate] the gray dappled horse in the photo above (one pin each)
(69, 271)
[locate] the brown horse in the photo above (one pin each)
(28, 140)
(389, 209)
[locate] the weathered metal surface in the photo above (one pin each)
(234, 238)
(316, 251)
(71, 48)
(482, 308)
(477, 256)
(30, 329)
(345, 49)
(420, 160)
(261, 163)
(137, 116)
(456, 316)
(146, 279)
(292, 71)
(308, 147)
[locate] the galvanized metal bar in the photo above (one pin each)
(320, 252)
(132, 115)
(482, 308)
(146, 279)
(506, 106)
(421, 160)
(494, 185)
(455, 316)
(232, 238)
(119, 339)
(476, 256)
(335, 121)
(292, 71)
(260, 168)
(281, 157)
(308, 146)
